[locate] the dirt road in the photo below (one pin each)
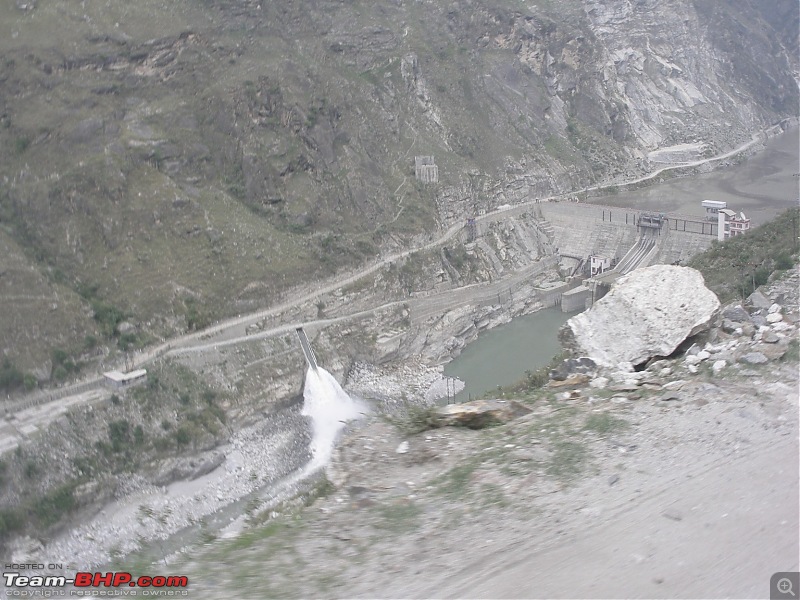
(738, 525)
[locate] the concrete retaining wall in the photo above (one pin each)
(575, 299)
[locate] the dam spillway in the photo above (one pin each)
(308, 352)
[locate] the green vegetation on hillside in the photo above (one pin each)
(735, 267)
(196, 160)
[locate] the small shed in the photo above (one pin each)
(118, 379)
(713, 207)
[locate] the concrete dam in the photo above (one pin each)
(618, 241)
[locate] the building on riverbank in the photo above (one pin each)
(730, 224)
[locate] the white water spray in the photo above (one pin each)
(330, 408)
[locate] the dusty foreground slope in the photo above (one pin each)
(704, 503)
(680, 484)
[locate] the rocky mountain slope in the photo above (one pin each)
(163, 165)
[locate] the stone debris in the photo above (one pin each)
(736, 313)
(571, 366)
(754, 358)
(393, 387)
(674, 385)
(480, 413)
(758, 300)
(572, 380)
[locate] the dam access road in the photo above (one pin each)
(29, 414)
(232, 330)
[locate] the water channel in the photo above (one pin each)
(762, 186)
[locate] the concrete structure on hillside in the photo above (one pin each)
(730, 224)
(712, 208)
(599, 264)
(576, 299)
(425, 169)
(119, 380)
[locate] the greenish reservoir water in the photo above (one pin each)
(762, 186)
(501, 356)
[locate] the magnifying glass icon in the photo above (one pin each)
(785, 587)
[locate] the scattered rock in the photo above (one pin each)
(729, 326)
(599, 382)
(703, 354)
(670, 396)
(770, 338)
(758, 300)
(673, 514)
(570, 366)
(480, 413)
(576, 379)
(719, 365)
(208, 465)
(760, 321)
(625, 387)
(754, 358)
(403, 447)
(774, 317)
(674, 385)
(125, 327)
(693, 359)
(613, 479)
(772, 351)
(736, 313)
(775, 308)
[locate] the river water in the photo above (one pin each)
(502, 355)
(762, 186)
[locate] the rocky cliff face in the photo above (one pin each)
(193, 160)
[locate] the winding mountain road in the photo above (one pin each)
(232, 331)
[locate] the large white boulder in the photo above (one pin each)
(647, 313)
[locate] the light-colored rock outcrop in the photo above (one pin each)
(647, 313)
